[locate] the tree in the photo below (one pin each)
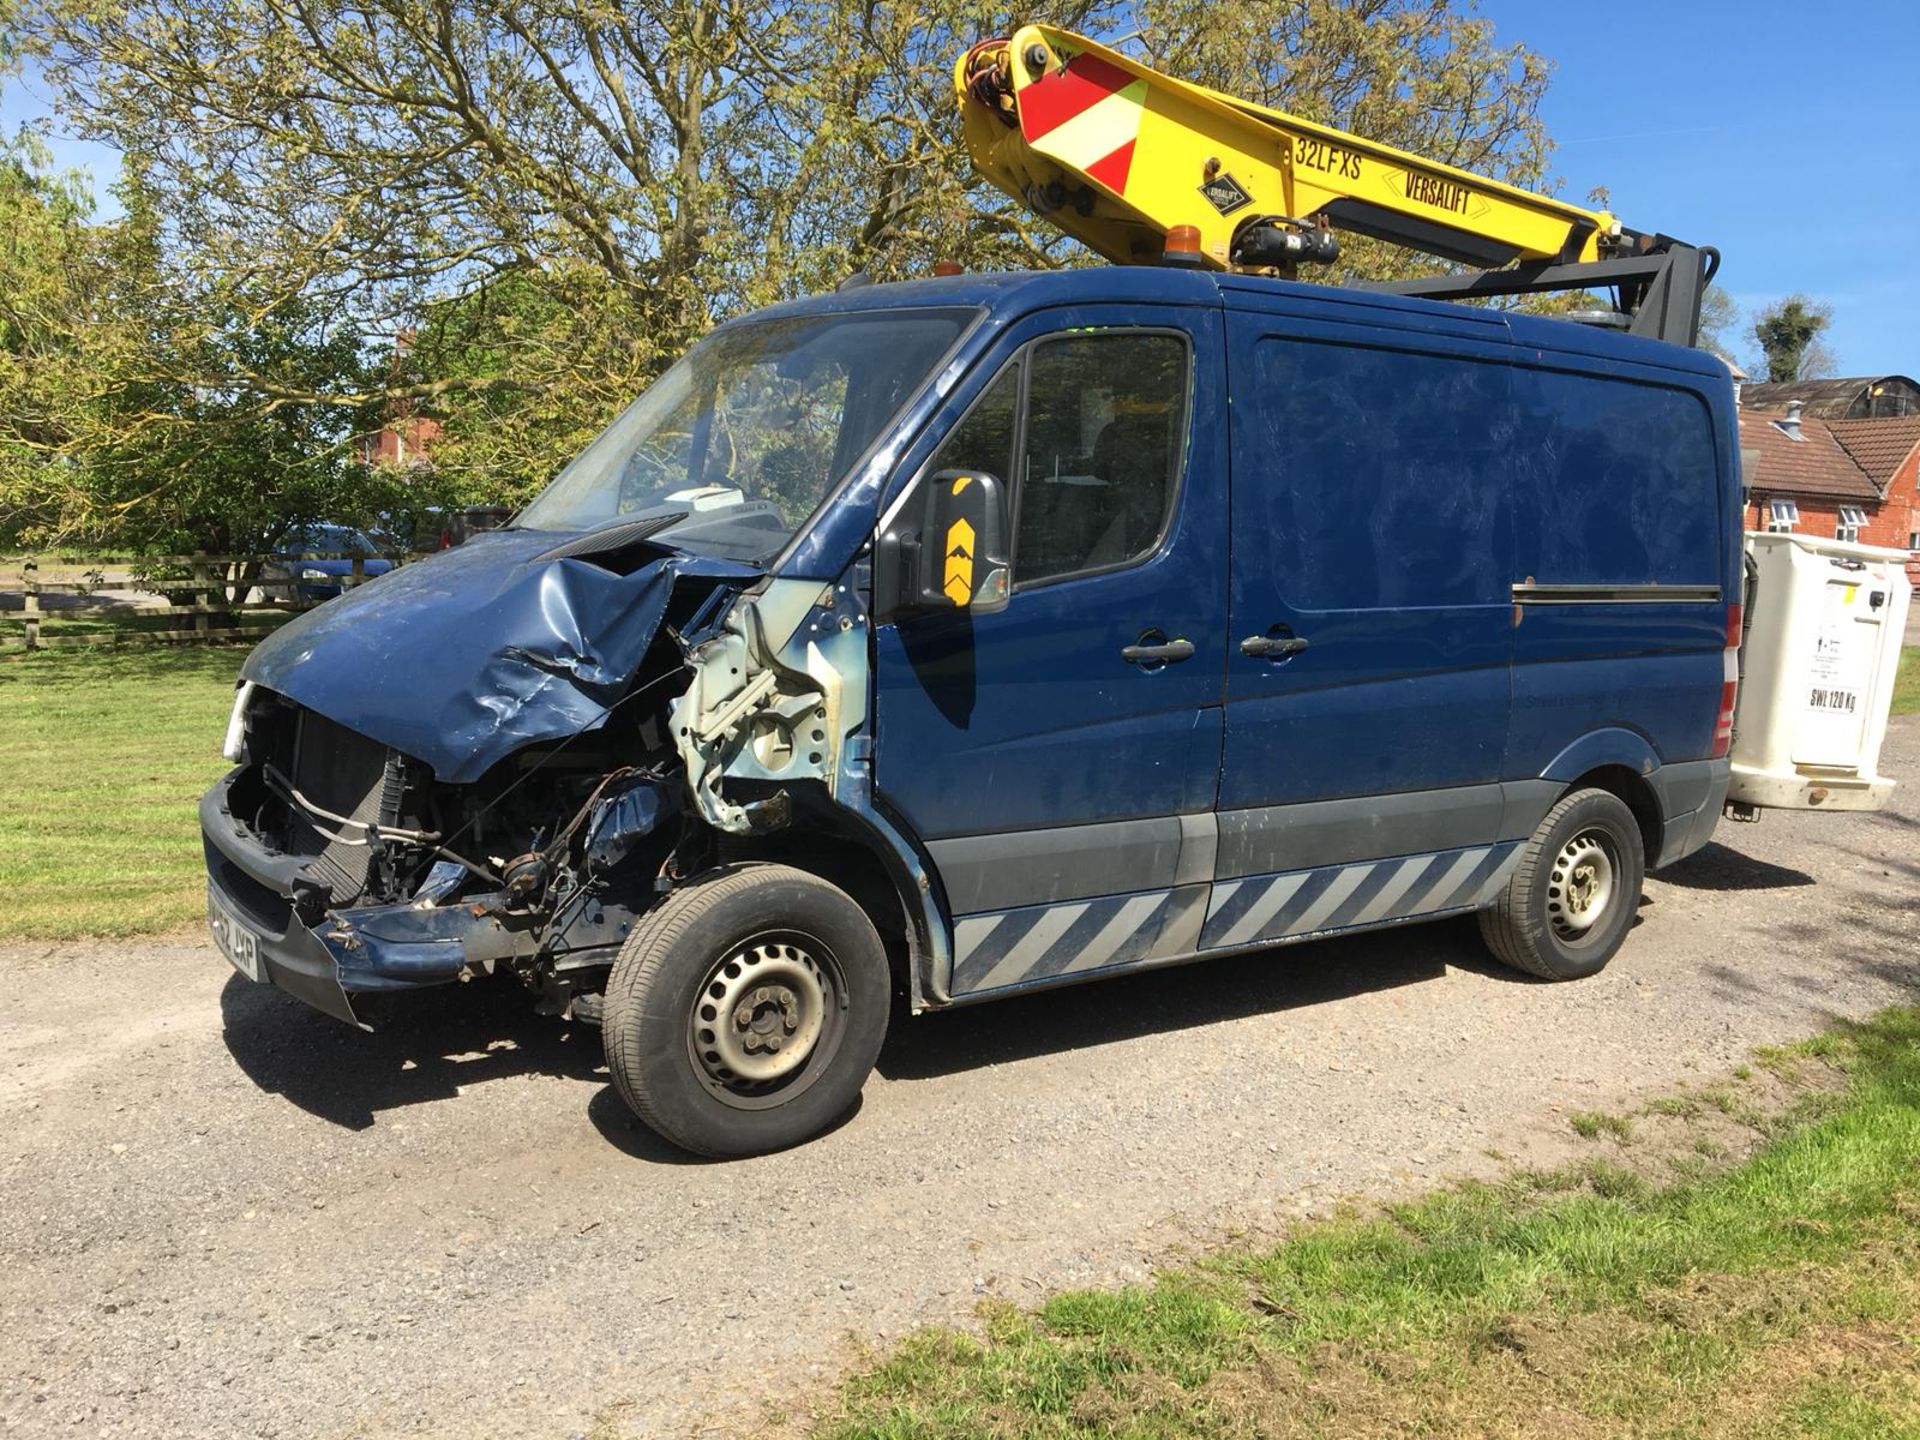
(48, 278)
(1788, 332)
(135, 418)
(589, 186)
(1719, 313)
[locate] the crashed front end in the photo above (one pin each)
(503, 787)
(339, 868)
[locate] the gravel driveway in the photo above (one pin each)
(225, 1215)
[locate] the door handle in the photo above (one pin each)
(1161, 653)
(1273, 647)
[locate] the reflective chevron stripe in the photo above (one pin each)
(1020, 946)
(1086, 114)
(1264, 908)
(1047, 942)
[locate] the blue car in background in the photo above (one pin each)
(316, 563)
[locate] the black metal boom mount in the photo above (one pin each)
(1657, 292)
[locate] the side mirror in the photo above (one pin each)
(958, 560)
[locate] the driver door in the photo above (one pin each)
(1060, 757)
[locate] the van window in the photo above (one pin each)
(737, 444)
(1616, 483)
(983, 440)
(1376, 478)
(1106, 427)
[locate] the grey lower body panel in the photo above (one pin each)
(1053, 944)
(1290, 906)
(1078, 938)
(1074, 862)
(1691, 799)
(1039, 907)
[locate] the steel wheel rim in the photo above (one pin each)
(766, 1020)
(1581, 885)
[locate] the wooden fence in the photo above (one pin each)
(193, 591)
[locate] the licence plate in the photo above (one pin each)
(239, 944)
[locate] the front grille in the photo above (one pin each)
(347, 774)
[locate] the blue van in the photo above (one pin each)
(964, 636)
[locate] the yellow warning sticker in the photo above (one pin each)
(959, 582)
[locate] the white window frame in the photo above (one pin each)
(1782, 516)
(1851, 522)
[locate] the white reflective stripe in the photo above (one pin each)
(1496, 881)
(1391, 894)
(1116, 932)
(1035, 943)
(1450, 881)
(1223, 891)
(1263, 909)
(968, 934)
(1344, 884)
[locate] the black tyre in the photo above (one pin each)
(746, 1010)
(1573, 898)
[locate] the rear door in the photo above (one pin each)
(1370, 617)
(1065, 791)
(1622, 539)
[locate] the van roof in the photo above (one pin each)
(1008, 293)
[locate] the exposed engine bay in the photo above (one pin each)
(734, 715)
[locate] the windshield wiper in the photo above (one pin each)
(614, 535)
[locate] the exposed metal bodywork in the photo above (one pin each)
(773, 697)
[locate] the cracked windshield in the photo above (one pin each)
(744, 436)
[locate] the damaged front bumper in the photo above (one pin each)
(346, 953)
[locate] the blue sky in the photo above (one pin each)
(1784, 133)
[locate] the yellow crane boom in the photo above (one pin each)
(1117, 154)
(1121, 156)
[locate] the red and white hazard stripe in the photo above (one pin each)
(1088, 112)
(1729, 685)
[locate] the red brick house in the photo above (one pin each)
(406, 440)
(1850, 479)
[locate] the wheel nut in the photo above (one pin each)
(775, 1041)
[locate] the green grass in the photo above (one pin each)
(1592, 1124)
(1778, 1297)
(1906, 684)
(103, 754)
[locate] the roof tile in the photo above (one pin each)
(1879, 447)
(1815, 465)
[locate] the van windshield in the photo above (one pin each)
(745, 436)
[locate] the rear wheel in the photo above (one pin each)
(1575, 893)
(746, 1010)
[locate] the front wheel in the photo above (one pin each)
(746, 1010)
(1575, 893)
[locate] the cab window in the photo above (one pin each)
(1094, 460)
(1105, 428)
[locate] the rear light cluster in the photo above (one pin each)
(1729, 686)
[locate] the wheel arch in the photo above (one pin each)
(1622, 762)
(827, 845)
(1634, 791)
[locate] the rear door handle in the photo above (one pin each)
(1162, 653)
(1273, 647)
